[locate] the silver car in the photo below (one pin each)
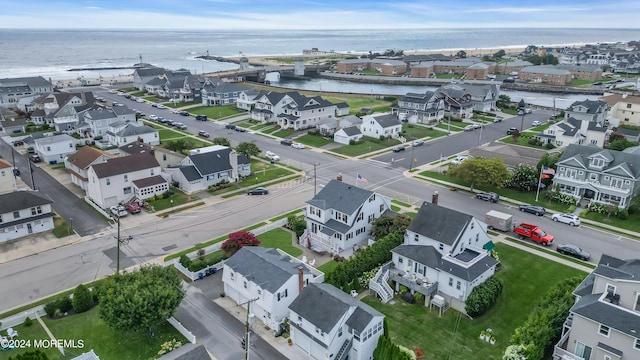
(570, 219)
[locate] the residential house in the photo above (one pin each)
(20, 92)
(591, 110)
(330, 127)
(595, 175)
(271, 277)
(209, 166)
(24, 213)
(113, 181)
(583, 72)
(292, 110)
(548, 74)
(187, 351)
(96, 122)
(381, 125)
(174, 86)
(420, 108)
(604, 321)
(78, 163)
(574, 131)
(511, 155)
(623, 109)
(347, 134)
(445, 253)
(61, 111)
(330, 324)
(165, 157)
(247, 98)
(141, 76)
(7, 179)
(422, 70)
(457, 101)
(121, 133)
(223, 94)
(53, 149)
(339, 217)
(13, 124)
(632, 135)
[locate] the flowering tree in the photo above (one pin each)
(237, 240)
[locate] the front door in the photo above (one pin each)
(29, 229)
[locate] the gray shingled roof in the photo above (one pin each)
(265, 267)
(425, 255)
(614, 268)
(607, 314)
(545, 69)
(150, 181)
(341, 197)
(19, 200)
(387, 120)
(473, 271)
(100, 114)
(580, 154)
(212, 162)
(190, 173)
(593, 106)
(188, 352)
(126, 164)
(352, 130)
(439, 223)
(132, 130)
(323, 305)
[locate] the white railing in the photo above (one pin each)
(183, 330)
(379, 284)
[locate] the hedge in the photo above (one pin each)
(483, 296)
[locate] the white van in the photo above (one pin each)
(272, 156)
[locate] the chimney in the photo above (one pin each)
(434, 198)
(300, 278)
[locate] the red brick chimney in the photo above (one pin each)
(300, 278)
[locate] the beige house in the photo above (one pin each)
(625, 110)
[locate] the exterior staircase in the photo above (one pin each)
(344, 350)
(379, 283)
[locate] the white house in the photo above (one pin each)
(340, 215)
(624, 109)
(348, 134)
(97, 121)
(7, 179)
(24, 213)
(574, 131)
(247, 98)
(292, 110)
(420, 108)
(270, 276)
(166, 158)
(330, 324)
(223, 94)
(209, 166)
(595, 111)
(445, 252)
(61, 110)
(19, 92)
(78, 164)
(122, 133)
(378, 125)
(112, 182)
(53, 149)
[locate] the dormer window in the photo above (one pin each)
(596, 162)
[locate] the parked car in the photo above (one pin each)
(533, 209)
(536, 123)
(520, 112)
(154, 105)
(258, 191)
(488, 196)
(184, 113)
(118, 210)
(35, 158)
(296, 145)
(572, 250)
(139, 100)
(18, 143)
(468, 128)
(534, 233)
(497, 120)
(458, 160)
(230, 126)
(512, 130)
(201, 117)
(398, 148)
(240, 129)
(203, 133)
(272, 156)
(570, 219)
(477, 126)
(180, 125)
(160, 106)
(528, 111)
(286, 142)
(153, 117)
(417, 143)
(133, 208)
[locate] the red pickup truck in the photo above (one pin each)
(534, 233)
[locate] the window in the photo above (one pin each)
(126, 178)
(340, 332)
(441, 247)
(36, 210)
(603, 330)
(245, 284)
(400, 260)
(231, 275)
(611, 289)
(0, 219)
(259, 292)
(340, 216)
(583, 350)
(360, 216)
(636, 344)
(451, 282)
(16, 214)
(416, 237)
(127, 190)
(108, 181)
(628, 106)
(381, 207)
(458, 284)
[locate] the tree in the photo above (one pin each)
(82, 299)
(221, 141)
(461, 54)
(248, 149)
(616, 136)
(387, 223)
(621, 144)
(179, 145)
(31, 355)
(238, 240)
(141, 299)
(480, 172)
(503, 101)
(524, 177)
(499, 54)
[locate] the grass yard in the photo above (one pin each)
(526, 277)
(217, 112)
(178, 198)
(455, 126)
(166, 134)
(328, 266)
(281, 239)
(180, 104)
(411, 131)
(366, 146)
(109, 343)
(283, 133)
(314, 140)
(632, 223)
(522, 140)
(264, 172)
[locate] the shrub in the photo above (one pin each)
(483, 296)
(58, 307)
(622, 214)
(82, 299)
(419, 298)
(27, 322)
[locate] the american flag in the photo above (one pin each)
(360, 178)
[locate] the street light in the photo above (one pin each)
(521, 106)
(411, 160)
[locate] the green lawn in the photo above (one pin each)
(283, 133)
(281, 239)
(366, 146)
(526, 278)
(314, 140)
(178, 198)
(217, 112)
(522, 140)
(179, 104)
(166, 134)
(264, 172)
(411, 131)
(328, 266)
(632, 223)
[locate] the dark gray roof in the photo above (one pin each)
(607, 314)
(439, 223)
(614, 268)
(125, 164)
(265, 267)
(190, 173)
(468, 273)
(359, 320)
(593, 126)
(150, 181)
(156, 81)
(212, 162)
(122, 110)
(387, 120)
(425, 255)
(592, 106)
(132, 130)
(577, 156)
(100, 114)
(352, 130)
(340, 196)
(323, 305)
(188, 352)
(150, 71)
(19, 200)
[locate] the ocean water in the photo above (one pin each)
(50, 53)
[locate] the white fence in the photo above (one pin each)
(183, 330)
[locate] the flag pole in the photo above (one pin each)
(539, 182)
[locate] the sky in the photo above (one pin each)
(317, 14)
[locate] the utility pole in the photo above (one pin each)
(411, 161)
(118, 248)
(33, 184)
(315, 179)
(246, 339)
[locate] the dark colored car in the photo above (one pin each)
(230, 126)
(240, 129)
(398, 148)
(258, 191)
(488, 196)
(572, 250)
(533, 209)
(287, 142)
(18, 143)
(35, 158)
(203, 133)
(201, 117)
(512, 130)
(184, 113)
